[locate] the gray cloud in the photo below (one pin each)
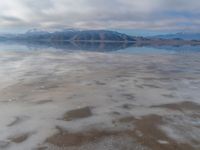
(132, 14)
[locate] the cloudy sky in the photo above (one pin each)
(147, 15)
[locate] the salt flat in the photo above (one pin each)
(91, 100)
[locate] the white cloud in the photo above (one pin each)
(148, 14)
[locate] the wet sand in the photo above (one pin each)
(91, 100)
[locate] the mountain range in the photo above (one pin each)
(181, 35)
(71, 35)
(101, 36)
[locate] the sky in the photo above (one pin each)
(134, 16)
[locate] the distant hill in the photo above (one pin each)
(183, 36)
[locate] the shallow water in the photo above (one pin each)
(133, 98)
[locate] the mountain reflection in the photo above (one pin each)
(83, 46)
(96, 46)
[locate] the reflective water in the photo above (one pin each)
(95, 47)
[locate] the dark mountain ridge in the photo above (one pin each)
(72, 35)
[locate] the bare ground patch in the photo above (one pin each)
(146, 132)
(19, 138)
(187, 105)
(77, 114)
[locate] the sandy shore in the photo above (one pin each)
(89, 100)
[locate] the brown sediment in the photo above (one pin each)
(128, 106)
(146, 132)
(16, 121)
(151, 86)
(168, 95)
(77, 114)
(187, 105)
(150, 134)
(66, 139)
(19, 138)
(127, 119)
(195, 115)
(158, 79)
(43, 101)
(149, 127)
(128, 96)
(140, 86)
(115, 113)
(42, 148)
(99, 83)
(4, 144)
